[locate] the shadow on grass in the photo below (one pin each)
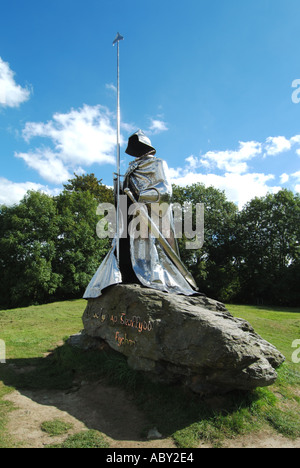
(100, 390)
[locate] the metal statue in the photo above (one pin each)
(153, 259)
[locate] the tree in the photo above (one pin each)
(268, 236)
(78, 249)
(213, 265)
(28, 234)
(89, 183)
(49, 249)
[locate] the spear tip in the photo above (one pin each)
(118, 38)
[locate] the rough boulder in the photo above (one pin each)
(194, 340)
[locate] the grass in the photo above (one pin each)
(83, 439)
(56, 427)
(31, 332)
(279, 326)
(5, 408)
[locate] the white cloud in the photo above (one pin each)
(296, 175)
(276, 145)
(284, 178)
(157, 126)
(297, 188)
(111, 87)
(174, 174)
(128, 128)
(239, 188)
(295, 139)
(239, 183)
(192, 162)
(80, 137)
(47, 164)
(228, 160)
(13, 192)
(11, 94)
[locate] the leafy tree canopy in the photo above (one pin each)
(89, 182)
(49, 249)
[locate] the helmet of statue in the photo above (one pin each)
(139, 145)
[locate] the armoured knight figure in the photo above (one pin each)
(152, 260)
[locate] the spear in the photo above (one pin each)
(116, 41)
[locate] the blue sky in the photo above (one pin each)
(209, 81)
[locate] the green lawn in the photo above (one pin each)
(279, 326)
(28, 332)
(31, 332)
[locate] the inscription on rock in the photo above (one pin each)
(135, 323)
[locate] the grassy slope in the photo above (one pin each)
(32, 331)
(279, 326)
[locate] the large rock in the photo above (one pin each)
(192, 340)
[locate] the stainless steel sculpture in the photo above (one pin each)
(152, 260)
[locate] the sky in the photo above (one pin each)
(214, 84)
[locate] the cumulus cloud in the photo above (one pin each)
(235, 177)
(129, 128)
(11, 94)
(49, 166)
(78, 138)
(296, 175)
(192, 162)
(12, 192)
(239, 188)
(277, 145)
(284, 178)
(228, 160)
(86, 136)
(157, 126)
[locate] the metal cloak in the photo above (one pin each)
(155, 264)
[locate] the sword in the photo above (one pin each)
(163, 242)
